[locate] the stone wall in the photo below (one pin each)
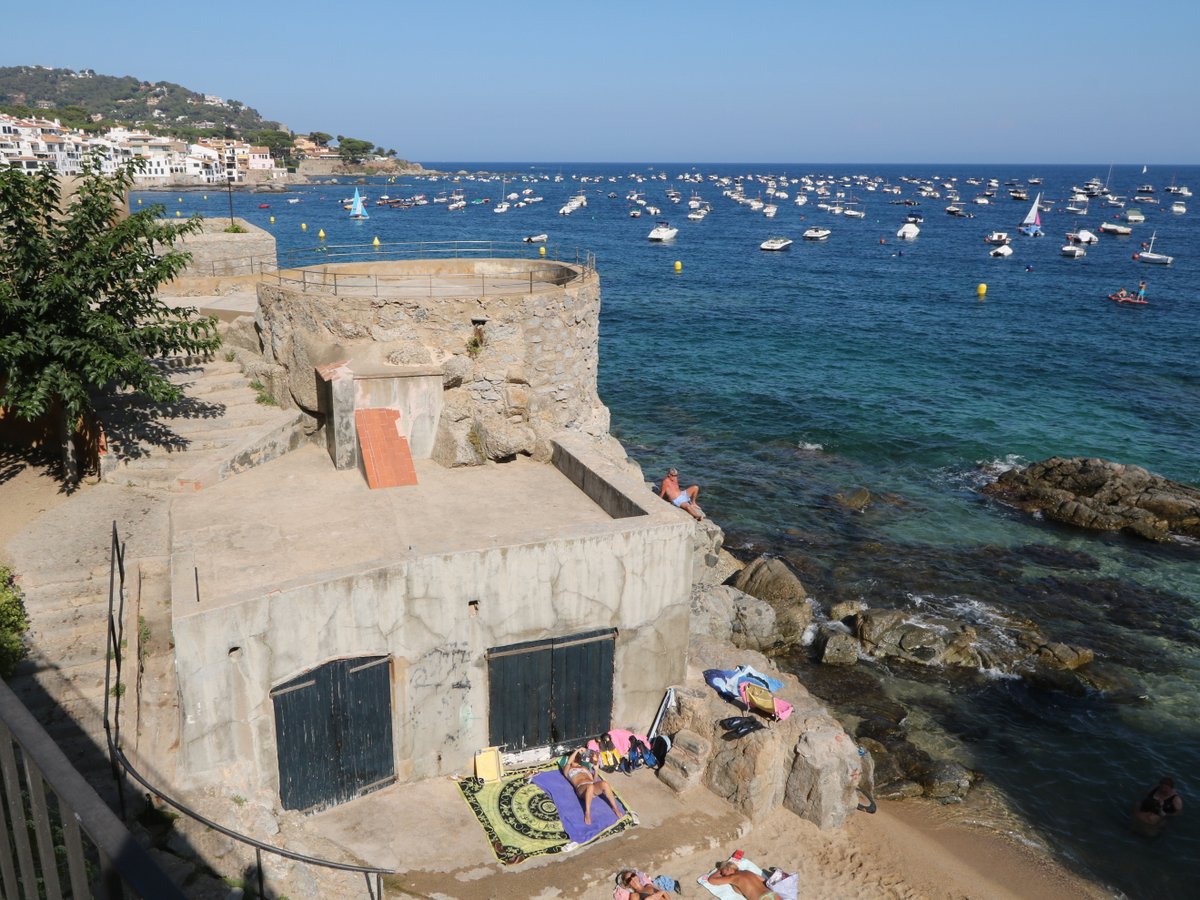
(517, 366)
(634, 576)
(216, 252)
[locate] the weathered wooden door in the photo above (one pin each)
(556, 691)
(333, 732)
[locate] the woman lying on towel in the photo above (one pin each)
(580, 768)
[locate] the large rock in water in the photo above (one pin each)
(1102, 495)
(770, 579)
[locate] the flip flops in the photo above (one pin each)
(739, 726)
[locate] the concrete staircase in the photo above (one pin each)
(62, 558)
(219, 427)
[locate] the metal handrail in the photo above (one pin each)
(120, 763)
(123, 862)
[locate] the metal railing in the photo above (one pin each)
(47, 810)
(306, 269)
(373, 875)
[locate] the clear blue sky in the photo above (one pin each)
(672, 81)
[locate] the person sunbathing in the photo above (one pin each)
(580, 768)
(745, 883)
(642, 886)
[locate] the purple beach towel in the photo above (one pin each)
(570, 807)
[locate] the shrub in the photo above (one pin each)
(13, 622)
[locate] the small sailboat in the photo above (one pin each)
(1031, 225)
(357, 210)
(1149, 256)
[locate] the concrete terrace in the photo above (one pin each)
(297, 518)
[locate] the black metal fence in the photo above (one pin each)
(372, 875)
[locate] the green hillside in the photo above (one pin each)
(92, 102)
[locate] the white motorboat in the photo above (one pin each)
(1114, 228)
(775, 243)
(501, 207)
(999, 238)
(908, 232)
(769, 210)
(1134, 215)
(662, 232)
(1179, 207)
(536, 239)
(1073, 251)
(635, 213)
(1149, 256)
(817, 234)
(1001, 252)
(1082, 236)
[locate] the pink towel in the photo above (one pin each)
(620, 738)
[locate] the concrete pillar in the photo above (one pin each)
(336, 398)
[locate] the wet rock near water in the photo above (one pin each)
(1103, 496)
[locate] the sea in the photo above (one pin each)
(917, 371)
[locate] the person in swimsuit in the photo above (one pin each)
(580, 768)
(745, 883)
(685, 499)
(1159, 805)
(641, 886)
(1141, 292)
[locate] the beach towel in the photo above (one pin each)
(518, 817)
(620, 738)
(786, 888)
(570, 809)
(725, 681)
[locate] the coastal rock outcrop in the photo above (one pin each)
(1103, 496)
(769, 579)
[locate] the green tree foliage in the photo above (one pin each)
(352, 150)
(320, 138)
(13, 622)
(279, 143)
(79, 309)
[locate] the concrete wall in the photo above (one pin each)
(216, 252)
(417, 396)
(633, 577)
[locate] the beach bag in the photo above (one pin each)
(610, 759)
(666, 883)
(641, 755)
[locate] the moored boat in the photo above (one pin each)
(662, 231)
(817, 234)
(1002, 252)
(1115, 228)
(775, 243)
(1073, 251)
(998, 238)
(908, 231)
(1149, 256)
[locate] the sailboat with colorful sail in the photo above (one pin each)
(357, 210)
(1031, 226)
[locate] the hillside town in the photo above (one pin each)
(33, 143)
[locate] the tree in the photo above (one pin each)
(320, 138)
(352, 150)
(79, 310)
(279, 143)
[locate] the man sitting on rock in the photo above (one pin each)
(685, 499)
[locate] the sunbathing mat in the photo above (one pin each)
(786, 889)
(518, 817)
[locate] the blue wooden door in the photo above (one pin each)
(555, 691)
(333, 732)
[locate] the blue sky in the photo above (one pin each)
(672, 81)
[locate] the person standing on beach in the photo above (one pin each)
(685, 499)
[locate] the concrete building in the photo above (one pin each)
(526, 591)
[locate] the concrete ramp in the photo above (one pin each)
(385, 454)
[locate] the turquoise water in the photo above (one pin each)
(777, 380)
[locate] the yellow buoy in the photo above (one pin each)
(541, 251)
(206, 196)
(376, 241)
(321, 234)
(304, 226)
(981, 290)
(180, 199)
(139, 201)
(678, 266)
(272, 220)
(178, 213)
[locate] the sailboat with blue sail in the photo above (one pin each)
(357, 210)
(1031, 226)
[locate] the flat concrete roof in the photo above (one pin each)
(297, 518)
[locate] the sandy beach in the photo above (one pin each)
(908, 849)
